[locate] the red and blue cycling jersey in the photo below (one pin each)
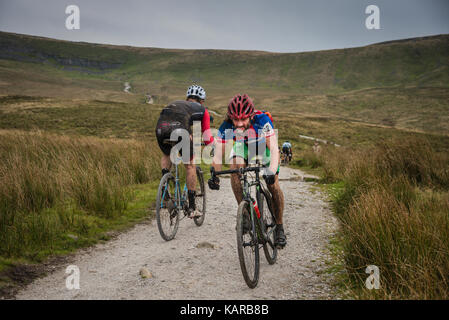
(261, 127)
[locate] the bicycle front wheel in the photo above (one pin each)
(268, 223)
(247, 245)
(200, 199)
(167, 214)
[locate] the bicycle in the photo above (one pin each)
(171, 202)
(256, 224)
(285, 158)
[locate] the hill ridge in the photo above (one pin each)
(119, 46)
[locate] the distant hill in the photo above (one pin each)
(374, 83)
(417, 62)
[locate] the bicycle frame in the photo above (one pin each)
(255, 213)
(179, 199)
(259, 232)
(172, 203)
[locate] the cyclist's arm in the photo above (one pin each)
(219, 150)
(205, 129)
(271, 141)
(220, 146)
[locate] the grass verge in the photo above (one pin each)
(392, 202)
(60, 193)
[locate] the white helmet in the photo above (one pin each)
(196, 91)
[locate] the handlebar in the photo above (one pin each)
(239, 170)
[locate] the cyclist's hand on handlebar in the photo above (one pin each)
(269, 176)
(214, 181)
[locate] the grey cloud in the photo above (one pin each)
(282, 26)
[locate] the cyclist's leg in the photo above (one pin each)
(191, 186)
(237, 160)
(278, 199)
(190, 176)
(278, 205)
(191, 180)
(163, 131)
(165, 159)
(165, 163)
(191, 169)
(276, 192)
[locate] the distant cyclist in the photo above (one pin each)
(287, 150)
(257, 126)
(180, 115)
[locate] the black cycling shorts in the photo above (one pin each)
(165, 126)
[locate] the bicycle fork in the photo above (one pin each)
(256, 217)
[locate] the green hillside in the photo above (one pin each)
(420, 61)
(403, 84)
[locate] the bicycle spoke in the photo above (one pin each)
(269, 249)
(200, 199)
(247, 246)
(166, 210)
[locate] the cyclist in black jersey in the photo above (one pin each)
(181, 115)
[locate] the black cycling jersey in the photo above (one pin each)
(286, 149)
(182, 114)
(178, 114)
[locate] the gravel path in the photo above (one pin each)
(181, 270)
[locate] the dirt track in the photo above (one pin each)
(181, 270)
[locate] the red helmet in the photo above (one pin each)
(240, 107)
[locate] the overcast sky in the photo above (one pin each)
(270, 25)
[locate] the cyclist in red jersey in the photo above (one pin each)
(243, 117)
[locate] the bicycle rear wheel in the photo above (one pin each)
(200, 199)
(167, 214)
(247, 245)
(268, 222)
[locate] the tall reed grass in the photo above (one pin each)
(42, 175)
(394, 210)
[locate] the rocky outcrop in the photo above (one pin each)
(13, 49)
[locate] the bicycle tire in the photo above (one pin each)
(268, 224)
(251, 277)
(200, 198)
(163, 216)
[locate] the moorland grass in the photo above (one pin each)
(52, 185)
(392, 202)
